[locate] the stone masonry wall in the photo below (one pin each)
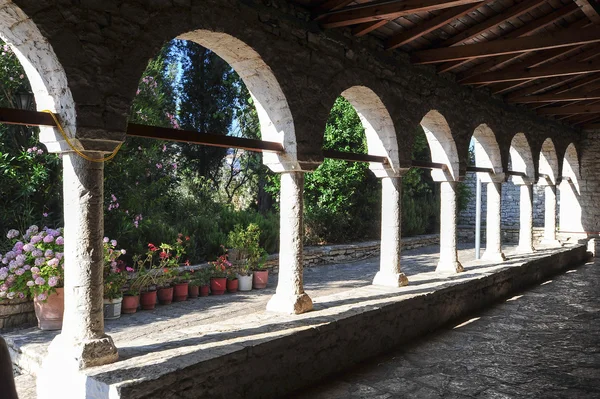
(590, 182)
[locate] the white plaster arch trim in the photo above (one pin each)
(521, 159)
(46, 75)
(275, 117)
(487, 152)
(570, 167)
(442, 146)
(379, 128)
(548, 163)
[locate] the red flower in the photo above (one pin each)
(152, 247)
(164, 255)
(165, 270)
(187, 238)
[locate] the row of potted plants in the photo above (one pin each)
(33, 268)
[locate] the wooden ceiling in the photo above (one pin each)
(542, 54)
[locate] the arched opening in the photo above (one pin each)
(487, 151)
(442, 146)
(549, 176)
(548, 165)
(569, 208)
(521, 158)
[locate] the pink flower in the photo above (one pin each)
(40, 281)
(129, 269)
(113, 243)
(53, 281)
(42, 297)
(60, 240)
(106, 239)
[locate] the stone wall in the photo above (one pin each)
(510, 204)
(590, 182)
(16, 313)
(510, 235)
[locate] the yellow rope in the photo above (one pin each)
(81, 154)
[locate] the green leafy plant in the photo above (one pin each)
(115, 276)
(247, 241)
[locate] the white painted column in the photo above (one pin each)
(526, 219)
(448, 256)
(493, 233)
(550, 216)
(290, 296)
(82, 342)
(389, 273)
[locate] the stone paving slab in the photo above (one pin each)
(542, 343)
(186, 333)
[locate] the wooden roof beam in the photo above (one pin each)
(385, 10)
(509, 46)
(367, 27)
(526, 30)
(592, 126)
(550, 98)
(432, 24)
(561, 69)
(591, 8)
(571, 109)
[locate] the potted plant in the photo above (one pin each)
(115, 278)
(244, 276)
(145, 281)
(138, 280)
(181, 286)
(232, 281)
(218, 279)
(203, 281)
(35, 269)
(194, 285)
(253, 263)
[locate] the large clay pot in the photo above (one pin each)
(112, 308)
(180, 292)
(130, 304)
(218, 285)
(245, 282)
(165, 295)
(50, 312)
(232, 285)
(148, 300)
(193, 291)
(204, 290)
(260, 279)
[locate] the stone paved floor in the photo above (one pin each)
(542, 343)
(221, 323)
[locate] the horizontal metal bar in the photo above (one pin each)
(215, 140)
(482, 170)
(515, 173)
(28, 118)
(427, 165)
(353, 157)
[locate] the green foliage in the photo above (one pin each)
(30, 178)
(247, 241)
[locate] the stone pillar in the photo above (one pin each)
(448, 256)
(290, 296)
(550, 216)
(526, 219)
(389, 273)
(82, 342)
(493, 233)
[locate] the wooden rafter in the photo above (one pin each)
(549, 98)
(570, 109)
(385, 10)
(432, 24)
(591, 8)
(526, 30)
(561, 84)
(560, 69)
(509, 46)
(330, 5)
(364, 28)
(592, 126)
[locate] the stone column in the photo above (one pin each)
(389, 273)
(526, 219)
(82, 342)
(448, 256)
(290, 296)
(550, 216)
(493, 233)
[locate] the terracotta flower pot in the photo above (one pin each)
(245, 282)
(50, 312)
(204, 290)
(232, 285)
(180, 292)
(218, 285)
(112, 308)
(260, 279)
(148, 300)
(130, 304)
(165, 295)
(193, 291)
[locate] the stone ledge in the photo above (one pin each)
(282, 354)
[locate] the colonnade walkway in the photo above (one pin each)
(540, 343)
(186, 333)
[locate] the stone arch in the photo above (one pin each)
(521, 158)
(548, 164)
(570, 207)
(44, 71)
(442, 146)
(378, 125)
(275, 117)
(487, 151)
